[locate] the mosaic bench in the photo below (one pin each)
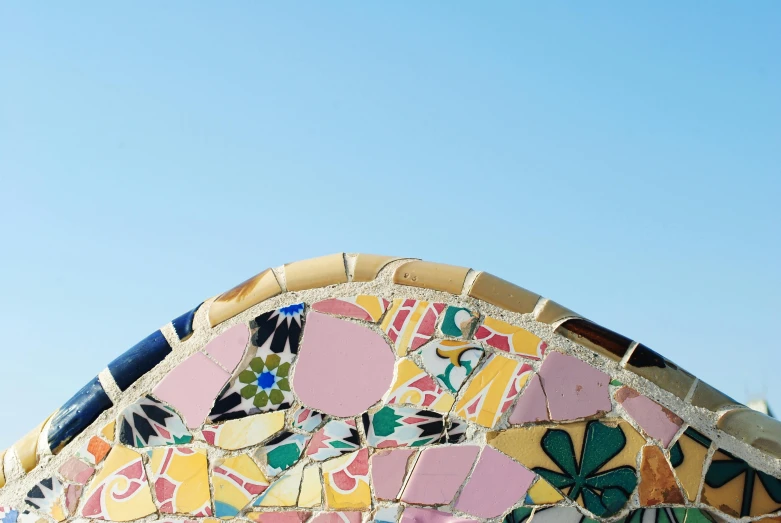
(354, 388)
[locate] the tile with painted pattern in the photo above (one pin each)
(509, 338)
(180, 477)
(592, 463)
(414, 386)
(411, 323)
(492, 390)
(361, 307)
(237, 480)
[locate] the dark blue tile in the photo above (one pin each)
(139, 359)
(183, 325)
(77, 414)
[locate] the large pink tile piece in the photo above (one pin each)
(389, 468)
(532, 405)
(438, 474)
(192, 387)
(337, 517)
(496, 484)
(342, 368)
(293, 516)
(429, 515)
(655, 420)
(228, 348)
(76, 471)
(574, 388)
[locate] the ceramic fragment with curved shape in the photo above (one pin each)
(355, 388)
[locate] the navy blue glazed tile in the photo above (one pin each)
(183, 325)
(139, 359)
(77, 414)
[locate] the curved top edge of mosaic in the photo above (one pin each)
(482, 375)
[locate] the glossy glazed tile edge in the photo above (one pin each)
(703, 420)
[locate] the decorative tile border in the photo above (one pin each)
(361, 386)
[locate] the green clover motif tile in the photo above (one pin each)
(736, 488)
(592, 463)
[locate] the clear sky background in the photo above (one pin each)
(623, 160)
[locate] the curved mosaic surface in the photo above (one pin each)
(357, 388)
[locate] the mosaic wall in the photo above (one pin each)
(357, 388)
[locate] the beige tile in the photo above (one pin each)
(758, 430)
(243, 296)
(661, 371)
(27, 447)
(551, 312)
(316, 272)
(709, 398)
(429, 275)
(368, 266)
(501, 293)
(595, 337)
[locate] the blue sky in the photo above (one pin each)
(625, 162)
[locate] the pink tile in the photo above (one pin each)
(429, 515)
(438, 474)
(228, 348)
(76, 471)
(574, 388)
(496, 484)
(342, 368)
(342, 308)
(72, 497)
(191, 387)
(532, 405)
(337, 517)
(389, 468)
(294, 516)
(655, 420)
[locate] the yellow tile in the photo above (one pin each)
(491, 390)
(761, 502)
(414, 386)
(729, 497)
(525, 444)
(243, 296)
(244, 432)
(504, 294)
(317, 272)
(186, 469)
(756, 429)
(311, 488)
(502, 335)
(27, 447)
(368, 266)
(2, 473)
(346, 481)
(284, 491)
(237, 480)
(551, 312)
(689, 471)
(373, 305)
(108, 431)
(119, 491)
(429, 275)
(543, 493)
(418, 320)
